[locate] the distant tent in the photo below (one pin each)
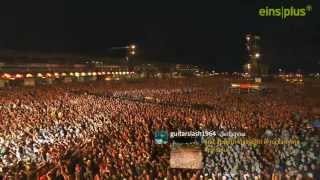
(268, 133)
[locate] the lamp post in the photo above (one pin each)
(131, 51)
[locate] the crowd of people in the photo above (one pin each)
(106, 130)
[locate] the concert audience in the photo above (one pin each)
(105, 131)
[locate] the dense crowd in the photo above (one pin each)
(106, 130)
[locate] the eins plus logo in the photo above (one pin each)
(285, 12)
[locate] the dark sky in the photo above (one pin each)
(209, 33)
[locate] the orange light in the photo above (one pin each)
(235, 85)
(6, 75)
(19, 76)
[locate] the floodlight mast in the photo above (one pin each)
(253, 47)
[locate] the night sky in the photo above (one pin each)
(210, 34)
